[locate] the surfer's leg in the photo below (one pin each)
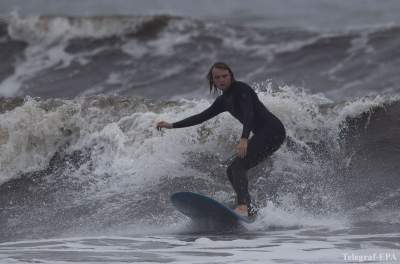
(239, 166)
(259, 148)
(237, 170)
(238, 177)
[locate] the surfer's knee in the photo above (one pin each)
(237, 167)
(230, 172)
(238, 164)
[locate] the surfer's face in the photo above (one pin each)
(221, 78)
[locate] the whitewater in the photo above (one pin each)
(86, 178)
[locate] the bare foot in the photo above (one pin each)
(241, 210)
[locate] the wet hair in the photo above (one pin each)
(218, 65)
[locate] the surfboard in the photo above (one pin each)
(207, 211)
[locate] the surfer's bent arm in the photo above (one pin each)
(213, 110)
(247, 108)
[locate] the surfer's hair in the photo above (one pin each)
(219, 65)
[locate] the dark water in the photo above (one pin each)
(81, 90)
(166, 56)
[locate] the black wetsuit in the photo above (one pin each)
(269, 133)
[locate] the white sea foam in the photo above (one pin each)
(117, 144)
(300, 246)
(31, 136)
(128, 156)
(286, 216)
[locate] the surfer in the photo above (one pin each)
(240, 100)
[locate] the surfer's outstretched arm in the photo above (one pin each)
(213, 110)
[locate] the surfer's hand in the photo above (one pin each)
(163, 124)
(242, 148)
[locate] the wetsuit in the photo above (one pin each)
(269, 133)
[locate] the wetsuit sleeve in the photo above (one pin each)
(247, 108)
(213, 110)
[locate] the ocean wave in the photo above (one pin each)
(166, 56)
(100, 158)
(371, 144)
(58, 28)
